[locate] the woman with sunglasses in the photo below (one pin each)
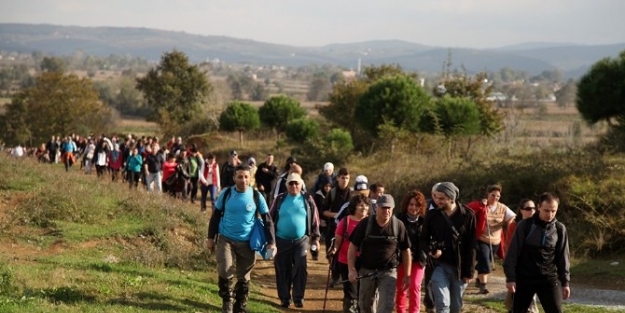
(527, 208)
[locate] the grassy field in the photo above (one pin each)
(70, 243)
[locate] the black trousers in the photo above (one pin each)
(291, 268)
(549, 293)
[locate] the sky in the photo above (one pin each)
(444, 23)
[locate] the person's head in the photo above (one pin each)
(232, 155)
(155, 148)
(183, 153)
(251, 162)
(328, 168)
(179, 140)
(527, 208)
(135, 150)
(361, 185)
(194, 150)
(414, 203)
(296, 169)
(289, 162)
(342, 178)
(326, 184)
(384, 208)
(171, 157)
(445, 195)
(242, 177)
(376, 190)
(210, 158)
(269, 159)
(358, 206)
(493, 193)
(294, 183)
(548, 206)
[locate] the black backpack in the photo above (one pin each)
(395, 229)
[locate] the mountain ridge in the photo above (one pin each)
(151, 43)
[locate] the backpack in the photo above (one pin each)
(307, 203)
(394, 237)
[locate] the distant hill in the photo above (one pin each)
(532, 58)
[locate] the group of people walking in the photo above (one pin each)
(385, 256)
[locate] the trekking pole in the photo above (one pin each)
(490, 243)
(370, 274)
(325, 297)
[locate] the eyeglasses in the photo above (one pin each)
(293, 183)
(529, 208)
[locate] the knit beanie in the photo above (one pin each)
(449, 189)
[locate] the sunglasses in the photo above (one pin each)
(293, 183)
(529, 208)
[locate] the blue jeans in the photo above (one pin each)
(447, 289)
(205, 190)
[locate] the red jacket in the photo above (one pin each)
(480, 208)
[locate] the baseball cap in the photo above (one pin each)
(385, 201)
(328, 167)
(294, 177)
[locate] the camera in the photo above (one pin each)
(436, 245)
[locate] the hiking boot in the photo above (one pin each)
(241, 294)
(477, 283)
(483, 289)
(225, 292)
(226, 307)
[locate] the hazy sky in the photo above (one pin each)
(447, 23)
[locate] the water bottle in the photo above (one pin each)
(314, 251)
(269, 254)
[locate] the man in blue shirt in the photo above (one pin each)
(297, 224)
(233, 218)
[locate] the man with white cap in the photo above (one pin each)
(448, 236)
(296, 220)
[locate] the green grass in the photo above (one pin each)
(595, 271)
(70, 243)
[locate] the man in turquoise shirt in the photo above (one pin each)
(233, 218)
(297, 224)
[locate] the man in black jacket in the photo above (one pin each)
(265, 175)
(537, 261)
(448, 236)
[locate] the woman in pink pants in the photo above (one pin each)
(413, 208)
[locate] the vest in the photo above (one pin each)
(494, 223)
(214, 168)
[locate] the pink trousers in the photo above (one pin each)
(413, 292)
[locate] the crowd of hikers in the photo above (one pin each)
(385, 256)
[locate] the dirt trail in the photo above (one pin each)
(264, 276)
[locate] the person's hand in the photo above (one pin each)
(406, 282)
(352, 276)
(210, 245)
(331, 252)
(437, 254)
(566, 292)
(261, 188)
(272, 246)
(512, 287)
(265, 170)
(467, 280)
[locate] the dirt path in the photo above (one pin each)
(264, 276)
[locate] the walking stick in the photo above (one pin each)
(325, 297)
